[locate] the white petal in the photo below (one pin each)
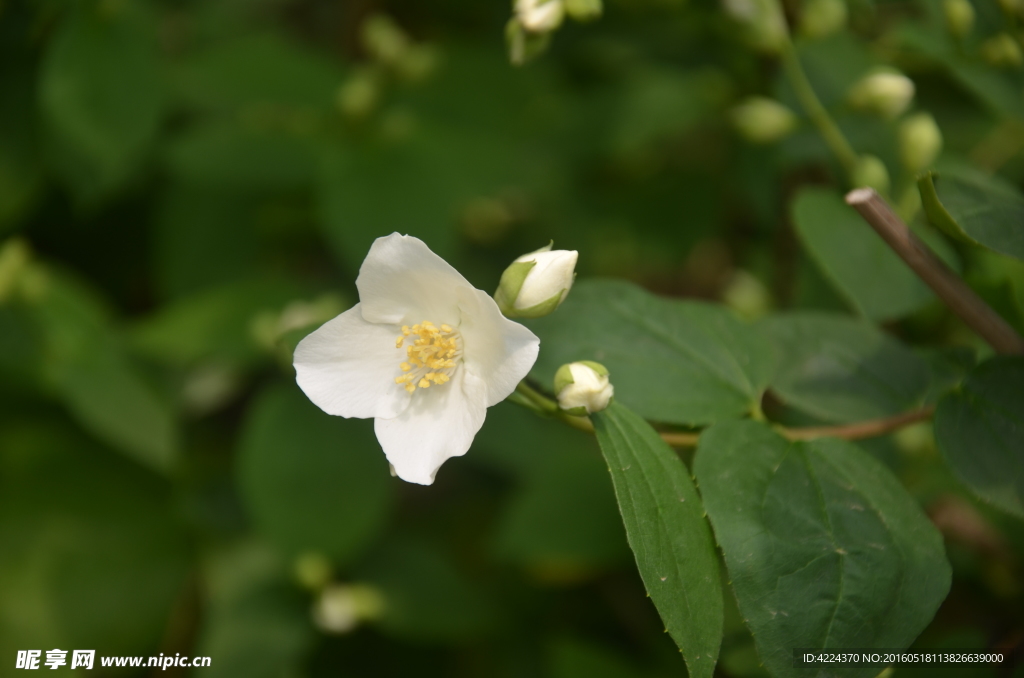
(439, 424)
(497, 350)
(348, 366)
(402, 282)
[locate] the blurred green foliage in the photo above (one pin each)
(188, 187)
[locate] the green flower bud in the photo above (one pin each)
(1002, 50)
(885, 92)
(747, 295)
(959, 17)
(536, 283)
(14, 260)
(584, 10)
(313, 570)
(383, 38)
(821, 18)
(583, 388)
(920, 141)
(358, 95)
(765, 25)
(340, 608)
(761, 120)
(870, 171)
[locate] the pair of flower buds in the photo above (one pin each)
(534, 286)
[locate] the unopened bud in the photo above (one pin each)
(920, 141)
(340, 608)
(313, 571)
(959, 17)
(536, 283)
(763, 20)
(540, 16)
(584, 10)
(821, 18)
(358, 96)
(747, 295)
(870, 171)
(1002, 50)
(14, 259)
(762, 120)
(583, 388)
(383, 38)
(884, 92)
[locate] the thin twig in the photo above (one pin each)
(869, 428)
(953, 291)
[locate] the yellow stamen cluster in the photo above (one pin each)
(432, 354)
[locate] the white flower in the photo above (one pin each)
(540, 16)
(423, 352)
(536, 283)
(583, 387)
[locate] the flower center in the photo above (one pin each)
(432, 354)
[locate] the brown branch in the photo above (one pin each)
(861, 429)
(869, 428)
(953, 291)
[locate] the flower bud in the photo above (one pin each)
(540, 16)
(884, 92)
(763, 20)
(584, 10)
(15, 258)
(340, 608)
(536, 283)
(870, 171)
(383, 38)
(959, 17)
(761, 120)
(312, 570)
(821, 18)
(358, 95)
(1002, 50)
(583, 388)
(920, 141)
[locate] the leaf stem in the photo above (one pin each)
(819, 117)
(953, 291)
(856, 431)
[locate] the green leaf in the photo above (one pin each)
(980, 432)
(824, 547)
(426, 598)
(256, 625)
(562, 523)
(253, 70)
(972, 207)
(863, 268)
(576, 659)
(840, 369)
(203, 237)
(232, 157)
(682, 362)
(312, 481)
(101, 95)
(666, 529)
(87, 367)
(20, 164)
(94, 555)
(216, 324)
